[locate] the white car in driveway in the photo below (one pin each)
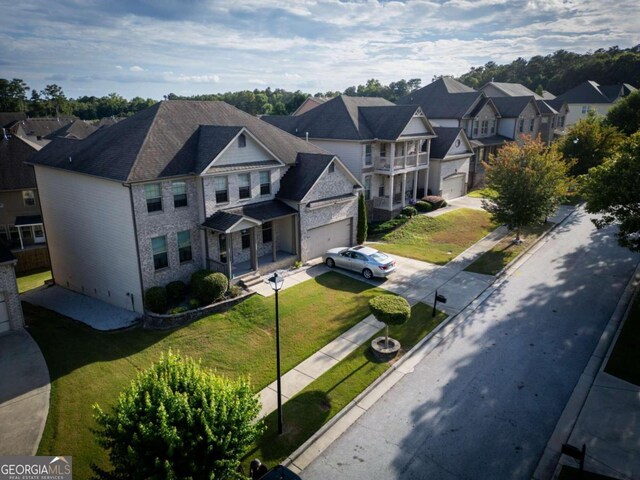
(366, 260)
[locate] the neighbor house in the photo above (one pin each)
(187, 185)
(590, 96)
(451, 153)
(309, 104)
(11, 317)
(385, 146)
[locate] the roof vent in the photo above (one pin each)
(4, 134)
(306, 136)
(70, 159)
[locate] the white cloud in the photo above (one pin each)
(119, 67)
(193, 78)
(136, 68)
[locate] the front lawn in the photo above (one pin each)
(320, 401)
(505, 251)
(484, 193)
(33, 280)
(87, 366)
(438, 239)
(624, 361)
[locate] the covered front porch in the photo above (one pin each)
(252, 238)
(397, 191)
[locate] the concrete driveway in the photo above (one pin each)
(24, 394)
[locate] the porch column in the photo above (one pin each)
(254, 248)
(20, 237)
(390, 193)
(273, 240)
(296, 239)
(403, 189)
(426, 181)
(229, 245)
(415, 184)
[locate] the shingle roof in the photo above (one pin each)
(162, 141)
(211, 141)
(511, 106)
(8, 118)
(441, 145)
(591, 92)
(222, 220)
(513, 89)
(78, 130)
(488, 141)
(444, 98)
(299, 179)
(43, 126)
(14, 174)
(348, 118)
(547, 95)
(5, 254)
(545, 107)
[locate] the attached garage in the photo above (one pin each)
(453, 187)
(337, 234)
(4, 314)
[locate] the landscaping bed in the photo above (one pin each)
(87, 366)
(624, 361)
(505, 251)
(438, 239)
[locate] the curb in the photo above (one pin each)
(550, 464)
(334, 428)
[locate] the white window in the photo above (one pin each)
(160, 258)
(265, 183)
(493, 126)
(221, 188)
(179, 190)
(244, 185)
(585, 109)
(367, 154)
(367, 187)
(521, 125)
(184, 246)
(475, 128)
(153, 194)
(28, 198)
(484, 129)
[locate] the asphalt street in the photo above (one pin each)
(483, 404)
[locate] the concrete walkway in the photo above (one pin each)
(93, 312)
(24, 394)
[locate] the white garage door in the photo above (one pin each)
(337, 234)
(4, 314)
(453, 187)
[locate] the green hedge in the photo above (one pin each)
(155, 299)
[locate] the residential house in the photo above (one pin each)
(182, 186)
(7, 119)
(385, 146)
(590, 96)
(309, 104)
(11, 317)
(42, 130)
(450, 159)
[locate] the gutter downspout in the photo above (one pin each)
(135, 234)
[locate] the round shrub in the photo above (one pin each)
(234, 291)
(178, 420)
(196, 281)
(212, 287)
(436, 201)
(155, 299)
(409, 211)
(423, 206)
(390, 309)
(176, 291)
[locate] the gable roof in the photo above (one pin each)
(592, 92)
(444, 98)
(14, 173)
(296, 183)
(545, 108)
(308, 104)
(77, 129)
(9, 118)
(441, 145)
(546, 95)
(513, 106)
(349, 118)
(481, 104)
(211, 141)
(164, 141)
(512, 89)
(41, 126)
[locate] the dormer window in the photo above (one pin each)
(242, 141)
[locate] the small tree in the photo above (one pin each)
(178, 420)
(390, 310)
(588, 143)
(612, 191)
(362, 220)
(529, 181)
(625, 114)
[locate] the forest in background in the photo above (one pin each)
(556, 72)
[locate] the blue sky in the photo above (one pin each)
(150, 48)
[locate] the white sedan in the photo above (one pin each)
(366, 260)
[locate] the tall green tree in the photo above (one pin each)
(625, 115)
(55, 100)
(178, 420)
(529, 181)
(362, 220)
(611, 191)
(13, 95)
(588, 143)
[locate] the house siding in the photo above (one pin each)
(350, 153)
(89, 227)
(416, 126)
(252, 152)
(9, 288)
(167, 223)
(575, 111)
(445, 122)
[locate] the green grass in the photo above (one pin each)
(305, 413)
(624, 361)
(484, 193)
(33, 280)
(87, 366)
(505, 251)
(438, 239)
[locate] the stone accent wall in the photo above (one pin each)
(168, 222)
(9, 287)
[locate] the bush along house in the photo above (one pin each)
(187, 185)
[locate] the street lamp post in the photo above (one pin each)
(276, 282)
